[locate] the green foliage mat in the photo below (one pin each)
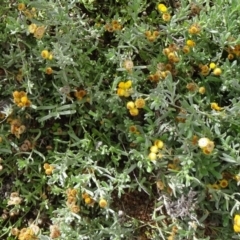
(119, 119)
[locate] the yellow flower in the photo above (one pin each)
(133, 129)
(203, 142)
(27, 234)
(190, 43)
(120, 92)
(194, 29)
(237, 178)
(186, 49)
(130, 105)
(192, 87)
(166, 17)
(215, 106)
(128, 84)
(154, 149)
(159, 144)
(210, 146)
(217, 71)
(32, 28)
(162, 8)
(45, 54)
(204, 69)
(152, 156)
(39, 32)
(212, 65)
(171, 56)
(207, 145)
(50, 57)
(140, 103)
(223, 183)
(230, 56)
(134, 111)
(48, 168)
(80, 94)
(49, 71)
(121, 85)
(21, 6)
(88, 200)
(102, 203)
(24, 99)
(202, 90)
(215, 186)
(236, 226)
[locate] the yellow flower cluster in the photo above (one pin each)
(54, 231)
(194, 29)
(72, 200)
(28, 13)
(16, 127)
(124, 89)
(204, 69)
(165, 14)
(192, 87)
(214, 106)
(14, 199)
(46, 54)
(80, 94)
(236, 223)
(134, 106)
(87, 199)
(233, 51)
(216, 70)
(158, 75)
(223, 183)
(154, 150)
(27, 234)
(206, 145)
(163, 69)
(171, 53)
(151, 36)
(37, 31)
(113, 26)
(21, 99)
(48, 168)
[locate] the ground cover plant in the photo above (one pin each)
(119, 119)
